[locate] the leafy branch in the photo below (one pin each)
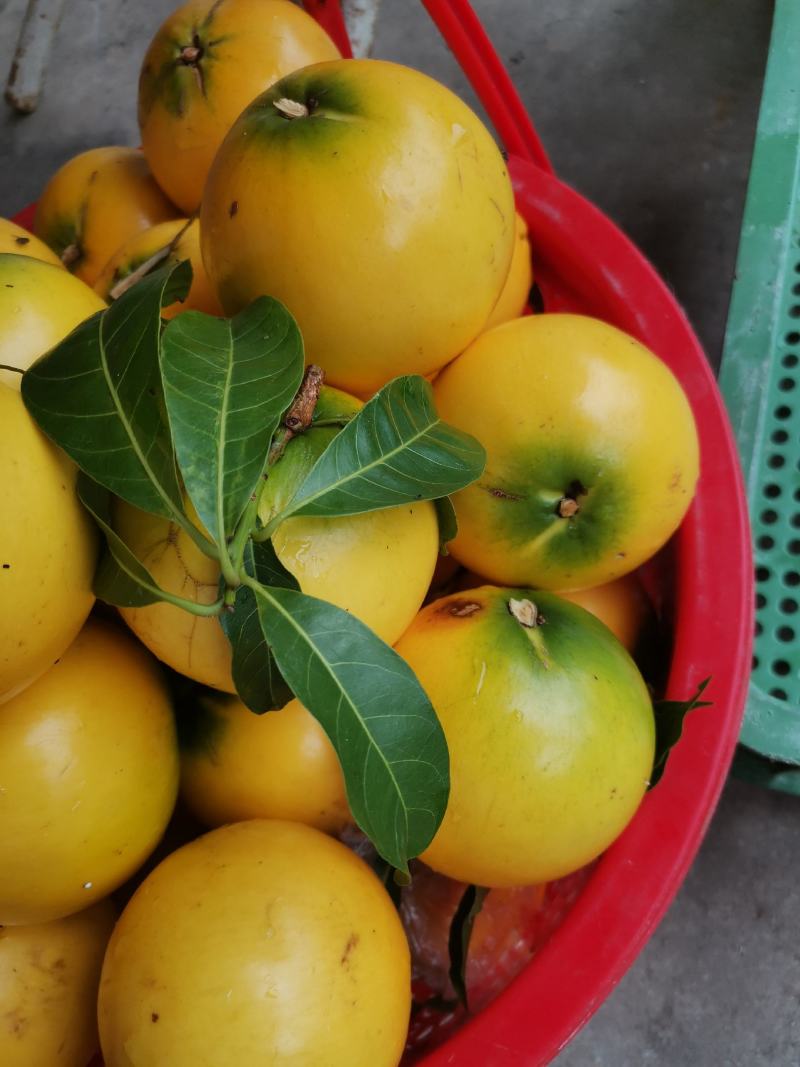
(202, 412)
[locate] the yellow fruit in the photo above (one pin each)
(265, 944)
(375, 204)
(39, 305)
(592, 452)
(550, 730)
(377, 566)
(622, 605)
(207, 61)
(236, 765)
(94, 203)
(49, 975)
(48, 549)
(88, 777)
(17, 240)
(184, 239)
(511, 302)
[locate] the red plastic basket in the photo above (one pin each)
(584, 263)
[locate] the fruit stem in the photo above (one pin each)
(8, 367)
(191, 53)
(291, 109)
(567, 507)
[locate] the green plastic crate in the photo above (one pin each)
(760, 378)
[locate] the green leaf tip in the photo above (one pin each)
(670, 716)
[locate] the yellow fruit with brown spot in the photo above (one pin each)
(94, 203)
(511, 302)
(17, 240)
(40, 303)
(49, 976)
(48, 550)
(375, 205)
(88, 776)
(262, 944)
(236, 765)
(207, 61)
(377, 566)
(182, 240)
(550, 730)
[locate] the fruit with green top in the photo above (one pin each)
(550, 730)
(592, 452)
(375, 205)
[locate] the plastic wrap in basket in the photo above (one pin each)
(584, 263)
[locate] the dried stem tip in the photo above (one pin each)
(190, 54)
(300, 414)
(567, 507)
(291, 109)
(71, 254)
(525, 612)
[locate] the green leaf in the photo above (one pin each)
(460, 934)
(98, 395)
(448, 523)
(395, 451)
(120, 578)
(227, 382)
(255, 674)
(384, 729)
(670, 715)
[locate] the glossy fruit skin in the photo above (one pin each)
(566, 405)
(94, 203)
(185, 109)
(236, 765)
(378, 566)
(19, 242)
(512, 300)
(48, 550)
(89, 775)
(263, 943)
(49, 976)
(142, 246)
(550, 731)
(384, 220)
(621, 605)
(39, 305)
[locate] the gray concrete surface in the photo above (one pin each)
(649, 107)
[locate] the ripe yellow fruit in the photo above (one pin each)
(39, 305)
(49, 976)
(207, 61)
(183, 240)
(94, 203)
(592, 452)
(236, 765)
(511, 302)
(377, 566)
(48, 550)
(375, 204)
(550, 730)
(17, 240)
(267, 942)
(88, 777)
(622, 605)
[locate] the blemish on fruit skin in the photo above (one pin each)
(233, 208)
(461, 609)
(481, 678)
(352, 943)
(501, 494)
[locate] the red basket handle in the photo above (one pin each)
(468, 41)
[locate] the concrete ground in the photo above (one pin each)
(650, 109)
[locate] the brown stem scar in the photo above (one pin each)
(71, 254)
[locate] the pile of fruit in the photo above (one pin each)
(323, 621)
